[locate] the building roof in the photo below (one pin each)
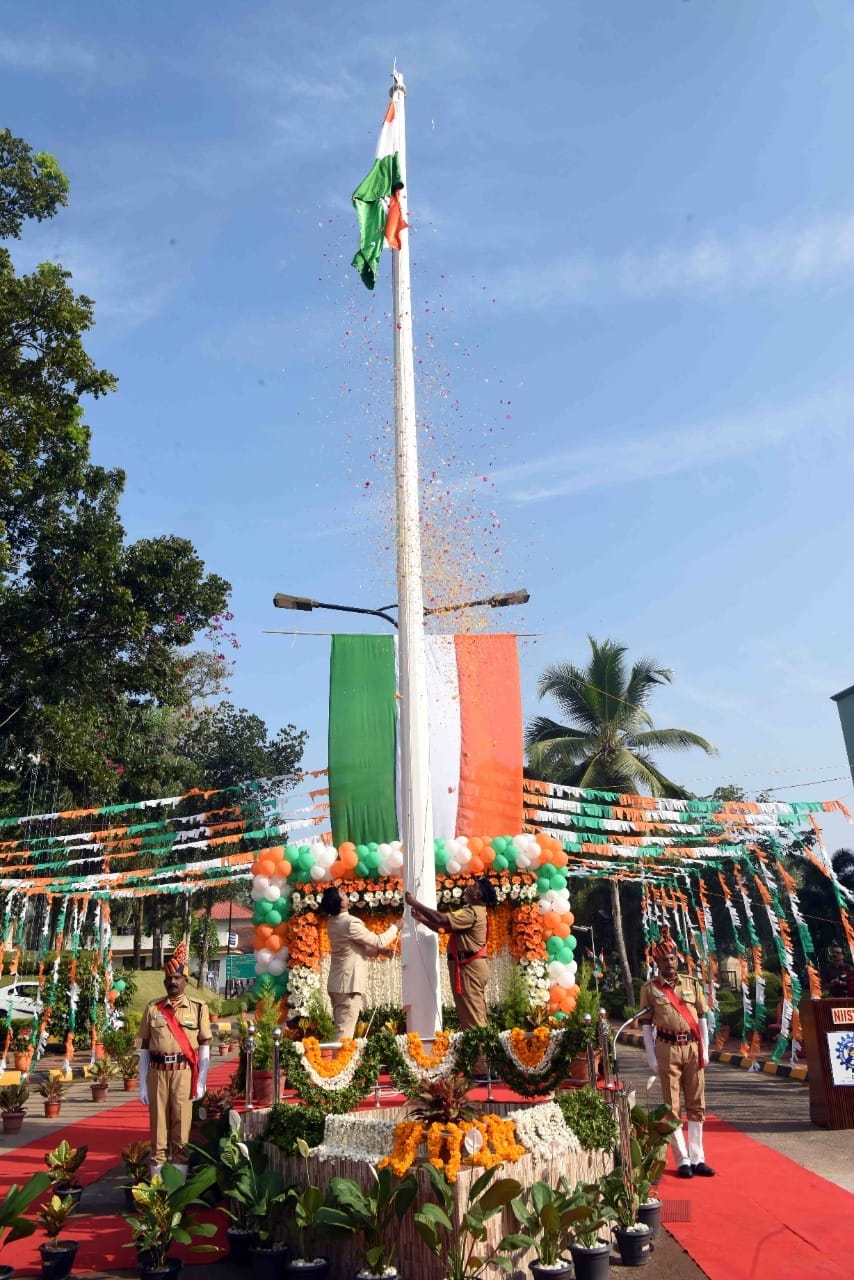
(220, 911)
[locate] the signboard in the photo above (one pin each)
(840, 1049)
(232, 940)
(240, 966)
(843, 1017)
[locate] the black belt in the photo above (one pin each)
(168, 1060)
(676, 1037)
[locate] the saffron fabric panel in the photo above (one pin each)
(491, 734)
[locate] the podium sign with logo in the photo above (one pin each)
(828, 1030)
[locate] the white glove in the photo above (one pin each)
(204, 1064)
(649, 1045)
(704, 1042)
(144, 1059)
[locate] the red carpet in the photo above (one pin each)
(762, 1216)
(101, 1236)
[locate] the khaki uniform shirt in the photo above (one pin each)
(192, 1015)
(468, 924)
(657, 1009)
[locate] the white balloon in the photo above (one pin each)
(520, 843)
(396, 859)
(453, 867)
(384, 850)
(277, 966)
(272, 893)
(464, 856)
(260, 883)
(256, 894)
(262, 959)
(523, 862)
(319, 873)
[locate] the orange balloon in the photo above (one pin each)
(262, 933)
(338, 870)
(347, 847)
(475, 844)
(569, 918)
(476, 865)
(562, 930)
(274, 942)
(266, 867)
(487, 855)
(283, 869)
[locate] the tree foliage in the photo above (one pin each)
(93, 628)
(608, 740)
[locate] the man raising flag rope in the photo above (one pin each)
(377, 204)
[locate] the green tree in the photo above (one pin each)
(608, 739)
(92, 627)
(227, 746)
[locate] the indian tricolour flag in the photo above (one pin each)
(475, 709)
(378, 204)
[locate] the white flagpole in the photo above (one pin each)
(419, 946)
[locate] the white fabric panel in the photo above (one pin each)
(443, 698)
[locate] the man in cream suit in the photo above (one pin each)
(352, 944)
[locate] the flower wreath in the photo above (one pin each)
(361, 1074)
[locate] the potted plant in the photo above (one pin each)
(163, 1216)
(268, 1015)
(13, 1225)
(652, 1130)
(251, 1196)
(369, 1215)
(101, 1072)
(128, 1065)
(459, 1241)
(620, 1195)
(13, 1099)
(22, 1048)
(53, 1090)
(117, 1042)
(307, 1201)
(549, 1225)
(227, 1040)
(57, 1255)
(136, 1157)
(590, 1254)
(62, 1165)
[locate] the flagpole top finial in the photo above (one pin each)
(396, 81)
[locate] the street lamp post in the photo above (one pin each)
(304, 604)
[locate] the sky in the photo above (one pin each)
(632, 231)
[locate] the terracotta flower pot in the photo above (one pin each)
(52, 1109)
(100, 1051)
(22, 1060)
(99, 1092)
(129, 1083)
(262, 1088)
(12, 1121)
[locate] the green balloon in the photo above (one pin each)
(499, 862)
(274, 917)
(361, 868)
(120, 985)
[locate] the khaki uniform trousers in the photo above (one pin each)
(679, 1064)
(170, 1113)
(346, 1007)
(470, 1003)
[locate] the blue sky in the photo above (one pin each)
(633, 247)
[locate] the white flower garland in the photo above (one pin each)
(535, 975)
(426, 1075)
(332, 1083)
(303, 985)
(356, 1136)
(545, 1061)
(543, 1130)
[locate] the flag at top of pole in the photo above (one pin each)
(377, 203)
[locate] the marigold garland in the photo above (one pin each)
(530, 1049)
(427, 1062)
(445, 1145)
(328, 1067)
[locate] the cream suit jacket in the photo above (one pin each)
(351, 942)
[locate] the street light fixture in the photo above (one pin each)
(304, 604)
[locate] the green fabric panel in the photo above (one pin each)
(362, 739)
(368, 199)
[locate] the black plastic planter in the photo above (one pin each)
(148, 1270)
(268, 1264)
(541, 1272)
(650, 1215)
(314, 1269)
(634, 1245)
(58, 1259)
(239, 1245)
(591, 1264)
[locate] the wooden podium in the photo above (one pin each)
(827, 1026)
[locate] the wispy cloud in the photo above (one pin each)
(47, 52)
(786, 256)
(649, 455)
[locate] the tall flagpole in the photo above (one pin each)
(419, 946)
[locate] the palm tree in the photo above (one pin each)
(607, 743)
(843, 865)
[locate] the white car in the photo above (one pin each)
(18, 1000)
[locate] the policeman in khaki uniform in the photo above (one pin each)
(674, 1007)
(175, 1033)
